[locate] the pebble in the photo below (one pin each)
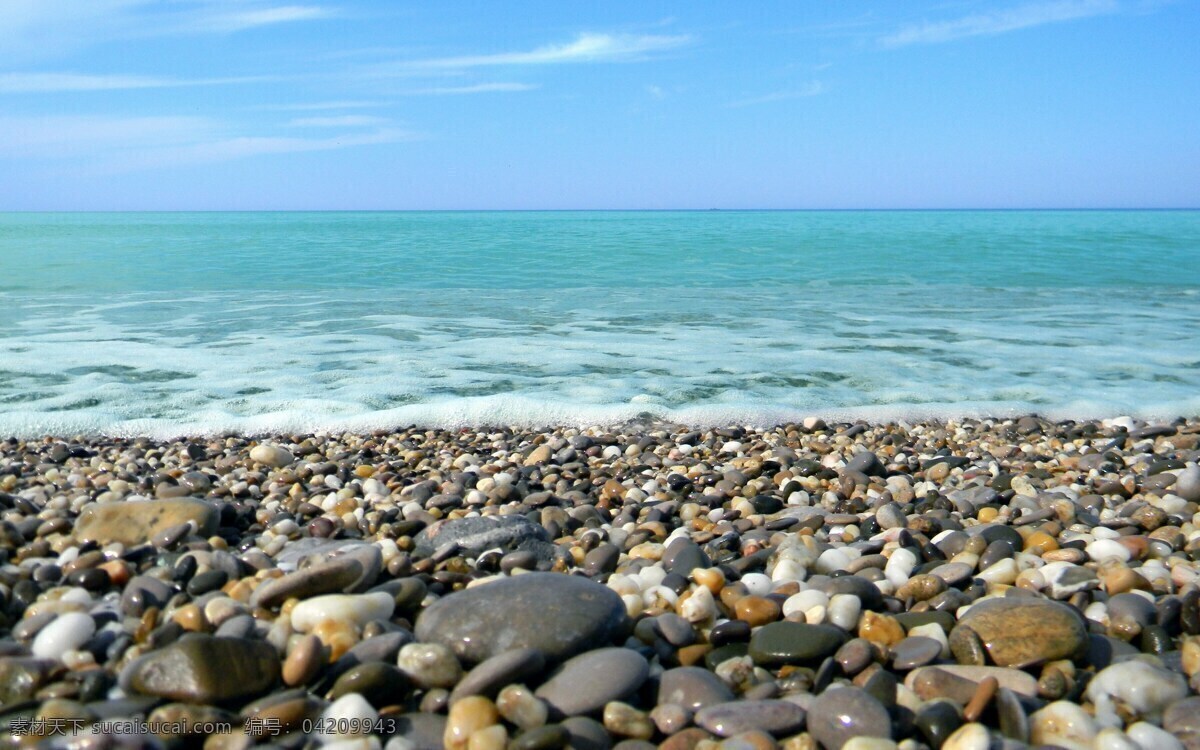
(274, 456)
(1137, 686)
(776, 717)
(67, 632)
(587, 682)
(1063, 724)
(1018, 632)
(133, 523)
(334, 575)
(350, 609)
(692, 688)
(204, 669)
(842, 713)
(783, 643)
(506, 668)
(511, 613)
(466, 717)
(429, 665)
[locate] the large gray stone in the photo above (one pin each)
(584, 685)
(558, 614)
(479, 534)
(204, 669)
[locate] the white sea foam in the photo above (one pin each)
(216, 363)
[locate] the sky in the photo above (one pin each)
(351, 104)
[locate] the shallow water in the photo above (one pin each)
(183, 323)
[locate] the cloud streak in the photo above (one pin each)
(586, 48)
(478, 88)
(249, 19)
(37, 83)
(110, 145)
(997, 22)
(338, 121)
(812, 89)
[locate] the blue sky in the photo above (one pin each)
(345, 104)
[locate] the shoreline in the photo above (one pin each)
(1012, 580)
(757, 422)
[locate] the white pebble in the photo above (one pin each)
(844, 610)
(831, 560)
(271, 455)
(1113, 739)
(804, 601)
(430, 665)
(1064, 724)
(634, 604)
(351, 711)
(699, 607)
(1001, 571)
(973, 736)
(1150, 737)
(354, 609)
(1140, 686)
(899, 566)
(1107, 549)
(787, 570)
(757, 584)
(66, 632)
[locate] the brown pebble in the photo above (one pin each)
(981, 699)
(884, 630)
(757, 610)
(466, 717)
(304, 661)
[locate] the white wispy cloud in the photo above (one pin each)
(337, 121)
(241, 147)
(478, 88)
(105, 145)
(319, 106)
(586, 48)
(810, 89)
(48, 82)
(997, 22)
(58, 137)
(35, 30)
(240, 20)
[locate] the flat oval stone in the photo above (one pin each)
(133, 523)
(323, 578)
(781, 643)
(502, 669)
(915, 651)
(478, 534)
(959, 682)
(842, 713)
(773, 716)
(205, 669)
(560, 615)
(953, 573)
(584, 684)
(693, 688)
(1021, 632)
(380, 684)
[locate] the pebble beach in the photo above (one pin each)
(968, 584)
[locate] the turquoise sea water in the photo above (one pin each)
(174, 323)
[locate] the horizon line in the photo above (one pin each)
(587, 210)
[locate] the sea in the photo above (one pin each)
(172, 324)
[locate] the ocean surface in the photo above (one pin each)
(184, 323)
